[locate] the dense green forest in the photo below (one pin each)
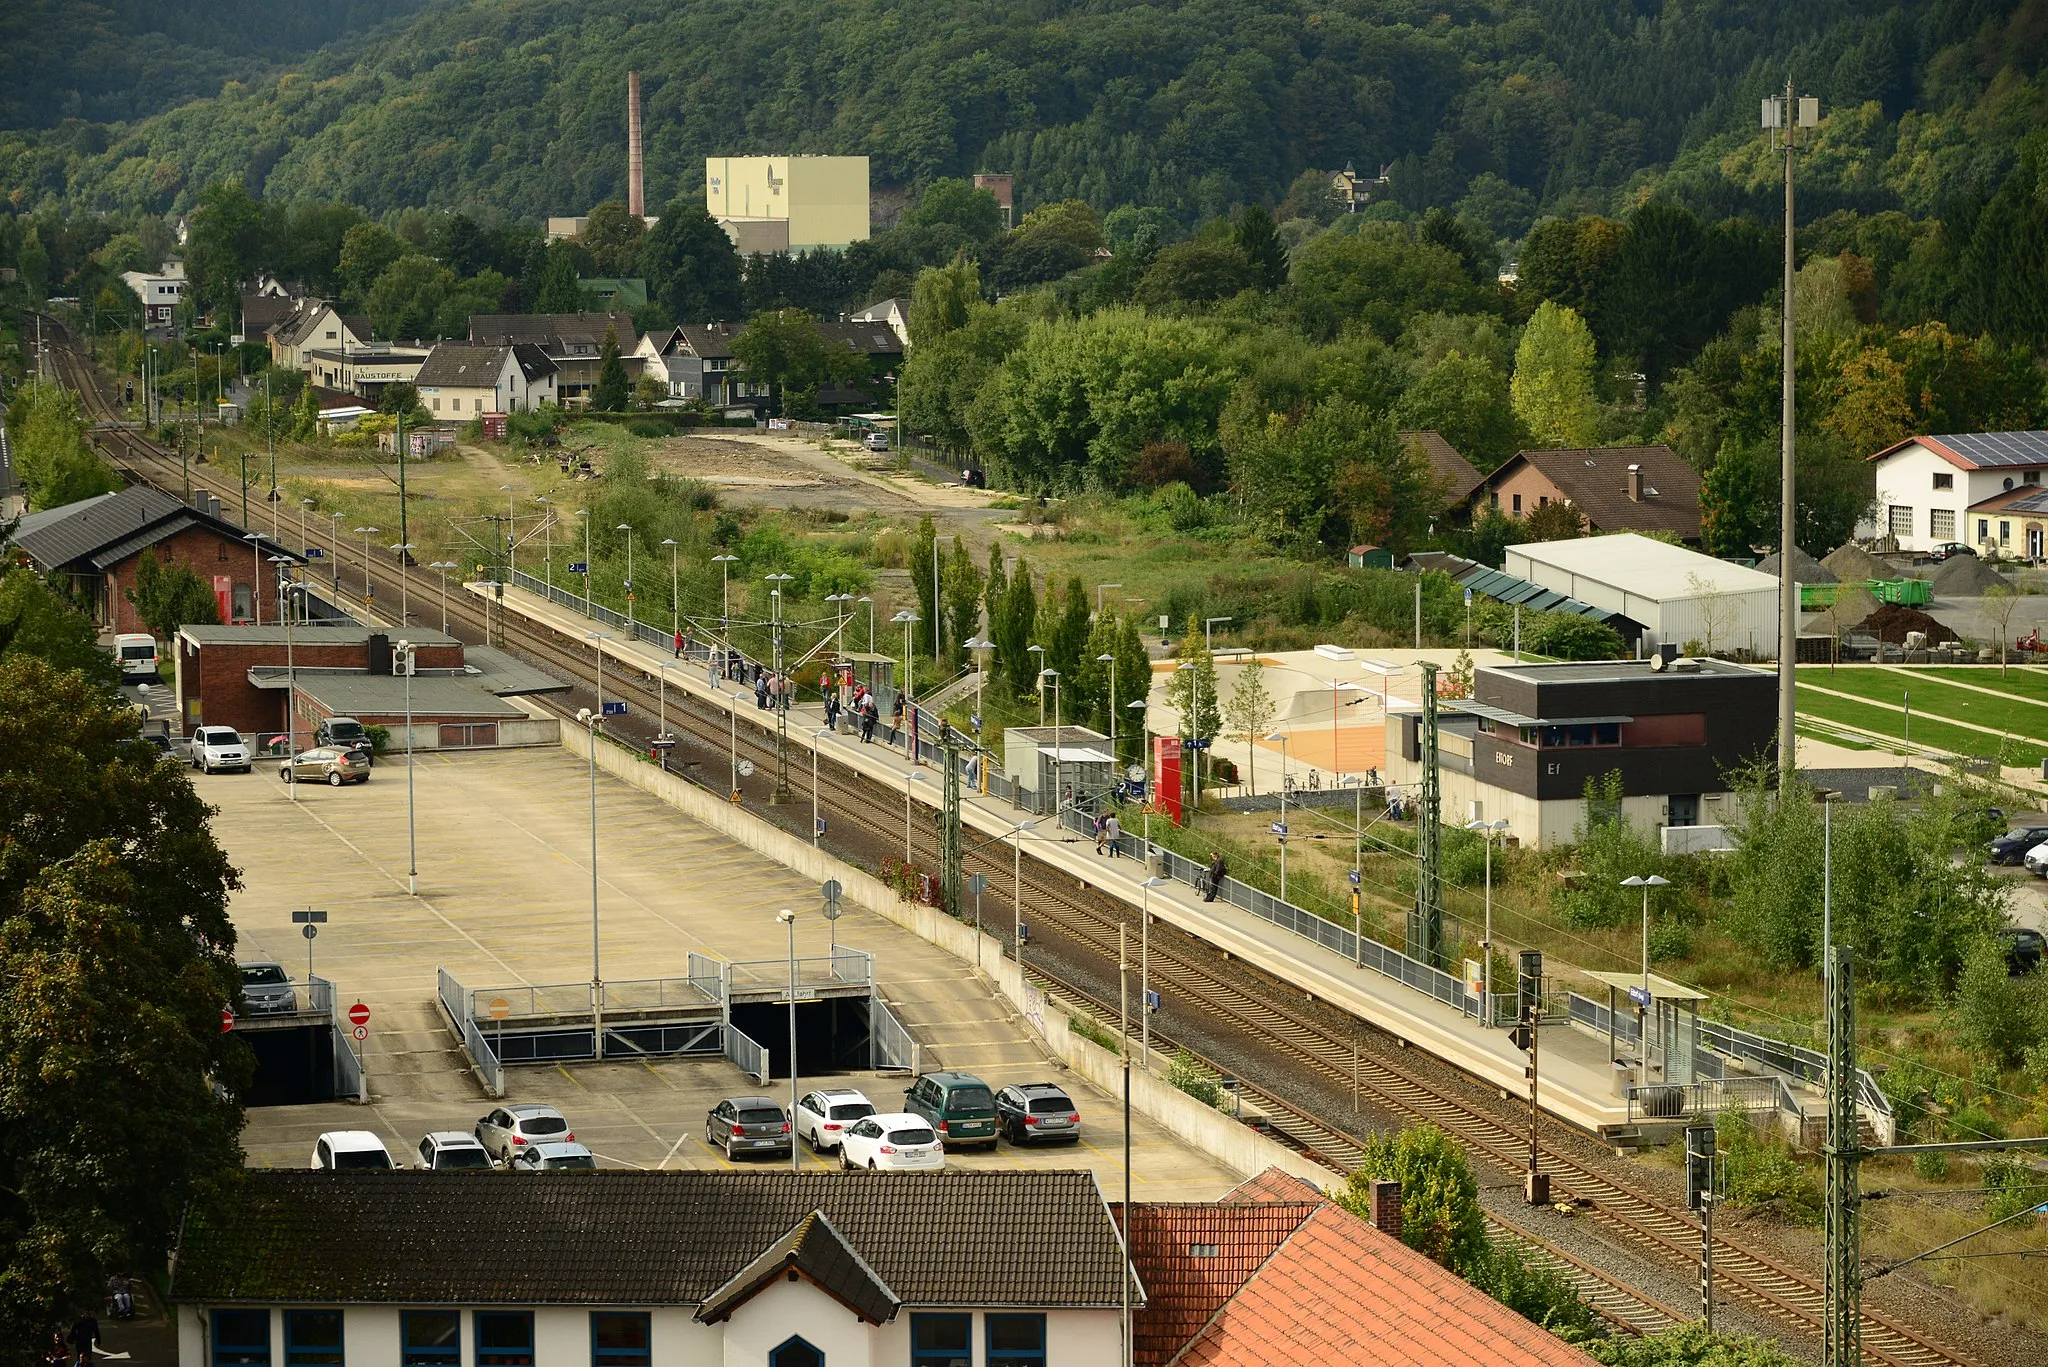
(1510, 108)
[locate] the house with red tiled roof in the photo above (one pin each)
(1275, 1274)
(1971, 487)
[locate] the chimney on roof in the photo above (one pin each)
(1635, 483)
(1386, 1208)
(636, 196)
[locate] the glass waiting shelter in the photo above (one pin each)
(1667, 1016)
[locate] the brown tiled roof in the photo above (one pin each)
(1037, 1239)
(1456, 475)
(1596, 480)
(1191, 1259)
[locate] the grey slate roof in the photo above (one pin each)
(815, 1248)
(316, 634)
(709, 341)
(460, 364)
(550, 330)
(381, 695)
(97, 532)
(1036, 1239)
(532, 361)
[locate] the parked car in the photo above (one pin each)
(213, 748)
(1949, 550)
(267, 990)
(748, 1124)
(2012, 847)
(346, 733)
(328, 765)
(1037, 1110)
(350, 1151)
(453, 1151)
(2024, 949)
(959, 1106)
(876, 441)
(552, 1157)
(822, 1118)
(2036, 860)
(893, 1143)
(510, 1128)
(136, 654)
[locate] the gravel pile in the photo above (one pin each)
(1852, 564)
(1967, 577)
(1805, 569)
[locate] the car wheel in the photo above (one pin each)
(872, 1167)
(844, 1165)
(285, 774)
(334, 779)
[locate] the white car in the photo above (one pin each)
(2037, 860)
(509, 1129)
(452, 1151)
(823, 1118)
(892, 1143)
(213, 748)
(350, 1151)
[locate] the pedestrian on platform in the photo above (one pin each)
(760, 690)
(1217, 872)
(1113, 831)
(679, 645)
(867, 720)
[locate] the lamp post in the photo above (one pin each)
(584, 513)
(725, 564)
(732, 717)
(1058, 789)
(675, 591)
(817, 826)
(402, 550)
(256, 589)
(403, 661)
(305, 536)
(628, 530)
(1643, 1007)
(1487, 829)
(1107, 659)
(547, 542)
(908, 619)
(1281, 736)
(279, 564)
(1208, 625)
(980, 645)
(1017, 893)
(334, 540)
(443, 566)
(595, 720)
(788, 918)
(1145, 969)
(511, 533)
(871, 621)
(369, 589)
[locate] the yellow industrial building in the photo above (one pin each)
(788, 204)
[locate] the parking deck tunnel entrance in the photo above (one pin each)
(832, 1035)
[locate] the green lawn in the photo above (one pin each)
(1925, 730)
(2022, 681)
(1934, 699)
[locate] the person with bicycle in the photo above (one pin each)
(1217, 872)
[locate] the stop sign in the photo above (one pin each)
(359, 1014)
(227, 1019)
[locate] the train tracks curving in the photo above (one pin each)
(1091, 920)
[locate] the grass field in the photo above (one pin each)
(1926, 730)
(1933, 698)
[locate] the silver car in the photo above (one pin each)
(554, 1158)
(452, 1151)
(509, 1129)
(327, 764)
(267, 990)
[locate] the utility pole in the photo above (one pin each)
(1785, 115)
(1843, 1338)
(950, 860)
(1426, 922)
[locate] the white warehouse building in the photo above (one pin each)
(1679, 596)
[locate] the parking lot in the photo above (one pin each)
(505, 900)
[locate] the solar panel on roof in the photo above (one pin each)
(1999, 448)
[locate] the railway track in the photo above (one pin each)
(1091, 920)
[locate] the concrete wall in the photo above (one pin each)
(1241, 1149)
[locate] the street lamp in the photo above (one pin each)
(871, 621)
(443, 566)
(1058, 787)
(369, 589)
(305, 537)
(403, 662)
(595, 721)
(1487, 830)
(334, 540)
(1107, 659)
(1038, 672)
(623, 527)
(1281, 736)
(675, 593)
(1643, 1006)
(732, 715)
(725, 564)
(279, 564)
(584, 513)
(511, 533)
(908, 619)
(979, 645)
(817, 826)
(402, 550)
(788, 918)
(547, 541)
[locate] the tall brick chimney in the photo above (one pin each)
(1386, 1208)
(1635, 483)
(636, 194)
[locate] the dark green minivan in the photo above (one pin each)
(959, 1105)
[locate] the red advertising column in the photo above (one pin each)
(1166, 785)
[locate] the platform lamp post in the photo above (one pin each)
(334, 540)
(547, 542)
(980, 645)
(1038, 673)
(725, 564)
(369, 589)
(1145, 970)
(511, 532)
(788, 918)
(443, 566)
(1281, 736)
(402, 550)
(305, 534)
(1058, 788)
(628, 530)
(871, 621)
(1016, 834)
(675, 592)
(732, 717)
(1108, 659)
(595, 721)
(279, 565)
(1487, 830)
(1137, 707)
(1643, 1007)
(584, 513)
(909, 695)
(818, 739)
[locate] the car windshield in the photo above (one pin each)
(542, 1124)
(853, 1110)
(261, 975)
(970, 1099)
(345, 730)
(1051, 1105)
(461, 1158)
(2023, 833)
(221, 737)
(917, 1136)
(760, 1115)
(575, 1162)
(362, 1158)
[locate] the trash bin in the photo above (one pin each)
(1155, 862)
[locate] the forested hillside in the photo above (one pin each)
(1503, 109)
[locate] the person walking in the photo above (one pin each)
(760, 690)
(825, 689)
(83, 1336)
(1101, 826)
(679, 645)
(1112, 831)
(895, 718)
(1217, 871)
(867, 720)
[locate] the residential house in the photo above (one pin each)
(894, 311)
(882, 346)
(315, 325)
(1276, 1275)
(1353, 191)
(459, 381)
(573, 342)
(1455, 476)
(265, 306)
(651, 1269)
(1004, 188)
(1979, 488)
(160, 292)
(97, 543)
(1616, 488)
(693, 361)
(367, 372)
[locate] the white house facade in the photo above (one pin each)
(1960, 487)
(160, 292)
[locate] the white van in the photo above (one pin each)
(136, 652)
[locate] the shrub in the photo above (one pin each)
(1762, 1174)
(1092, 1030)
(1997, 1016)
(1669, 940)
(2010, 1187)
(1187, 1073)
(380, 737)
(1930, 1166)
(1440, 1214)
(1609, 850)
(1538, 1294)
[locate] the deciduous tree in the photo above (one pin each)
(693, 271)
(171, 596)
(1553, 382)
(1249, 712)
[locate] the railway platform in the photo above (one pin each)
(1580, 1081)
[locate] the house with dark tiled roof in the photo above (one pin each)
(98, 543)
(1275, 1275)
(651, 1269)
(573, 342)
(1979, 488)
(1648, 489)
(460, 382)
(1456, 477)
(314, 325)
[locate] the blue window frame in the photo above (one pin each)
(241, 1338)
(504, 1338)
(796, 1352)
(430, 1338)
(312, 1338)
(620, 1339)
(1015, 1340)
(942, 1341)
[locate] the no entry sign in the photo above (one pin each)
(359, 1014)
(227, 1019)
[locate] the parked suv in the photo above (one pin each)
(823, 1118)
(345, 733)
(748, 1124)
(453, 1151)
(217, 747)
(960, 1106)
(1037, 1110)
(351, 1150)
(2012, 847)
(509, 1129)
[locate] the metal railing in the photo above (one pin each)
(889, 1044)
(707, 973)
(455, 1003)
(348, 1071)
(749, 1057)
(849, 967)
(1808, 1065)
(1679, 1101)
(653, 994)
(531, 1001)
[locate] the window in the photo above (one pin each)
(2004, 532)
(2031, 477)
(241, 1338)
(796, 1353)
(619, 1339)
(941, 1341)
(244, 603)
(1942, 481)
(1518, 505)
(430, 1338)
(1901, 520)
(504, 1338)
(1941, 524)
(1015, 1340)
(437, 403)
(1543, 500)
(1983, 529)
(312, 1338)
